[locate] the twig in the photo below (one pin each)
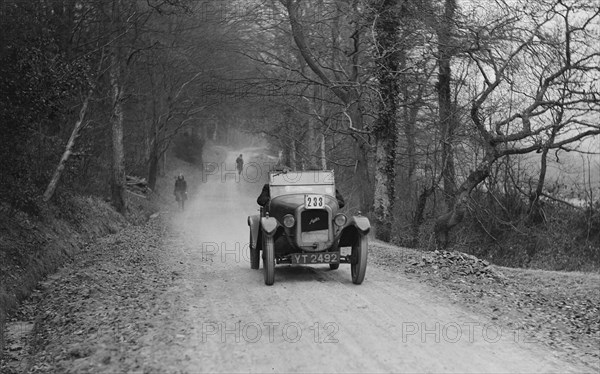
(138, 195)
(560, 201)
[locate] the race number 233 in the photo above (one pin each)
(314, 201)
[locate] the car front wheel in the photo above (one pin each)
(358, 266)
(269, 259)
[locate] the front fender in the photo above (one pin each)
(269, 225)
(355, 228)
(254, 223)
(362, 224)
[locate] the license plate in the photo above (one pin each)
(316, 258)
(314, 201)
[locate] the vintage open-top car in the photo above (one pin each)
(300, 224)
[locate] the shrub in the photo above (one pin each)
(566, 239)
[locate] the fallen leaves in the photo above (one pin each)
(98, 307)
(558, 309)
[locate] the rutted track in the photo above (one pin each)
(314, 319)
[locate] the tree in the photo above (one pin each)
(69, 148)
(41, 78)
(385, 129)
(345, 88)
(181, 49)
(116, 118)
(447, 117)
(544, 60)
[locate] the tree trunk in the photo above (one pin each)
(68, 149)
(153, 164)
(293, 164)
(446, 111)
(153, 154)
(411, 150)
(385, 129)
(384, 191)
(312, 146)
(322, 148)
(152, 138)
(417, 220)
(74, 135)
(323, 153)
(535, 210)
(408, 188)
(116, 119)
(455, 215)
(362, 177)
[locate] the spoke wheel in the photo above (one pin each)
(269, 259)
(358, 266)
(254, 254)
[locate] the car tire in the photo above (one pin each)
(269, 259)
(334, 266)
(254, 255)
(358, 265)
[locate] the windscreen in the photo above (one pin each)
(307, 182)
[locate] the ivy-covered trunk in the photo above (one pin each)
(385, 129)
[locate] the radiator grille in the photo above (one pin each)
(314, 220)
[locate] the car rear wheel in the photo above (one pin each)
(334, 266)
(254, 255)
(358, 266)
(269, 259)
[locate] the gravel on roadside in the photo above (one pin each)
(560, 310)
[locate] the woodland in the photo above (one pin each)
(471, 125)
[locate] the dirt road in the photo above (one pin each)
(313, 319)
(178, 295)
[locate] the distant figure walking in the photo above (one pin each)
(240, 164)
(180, 191)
